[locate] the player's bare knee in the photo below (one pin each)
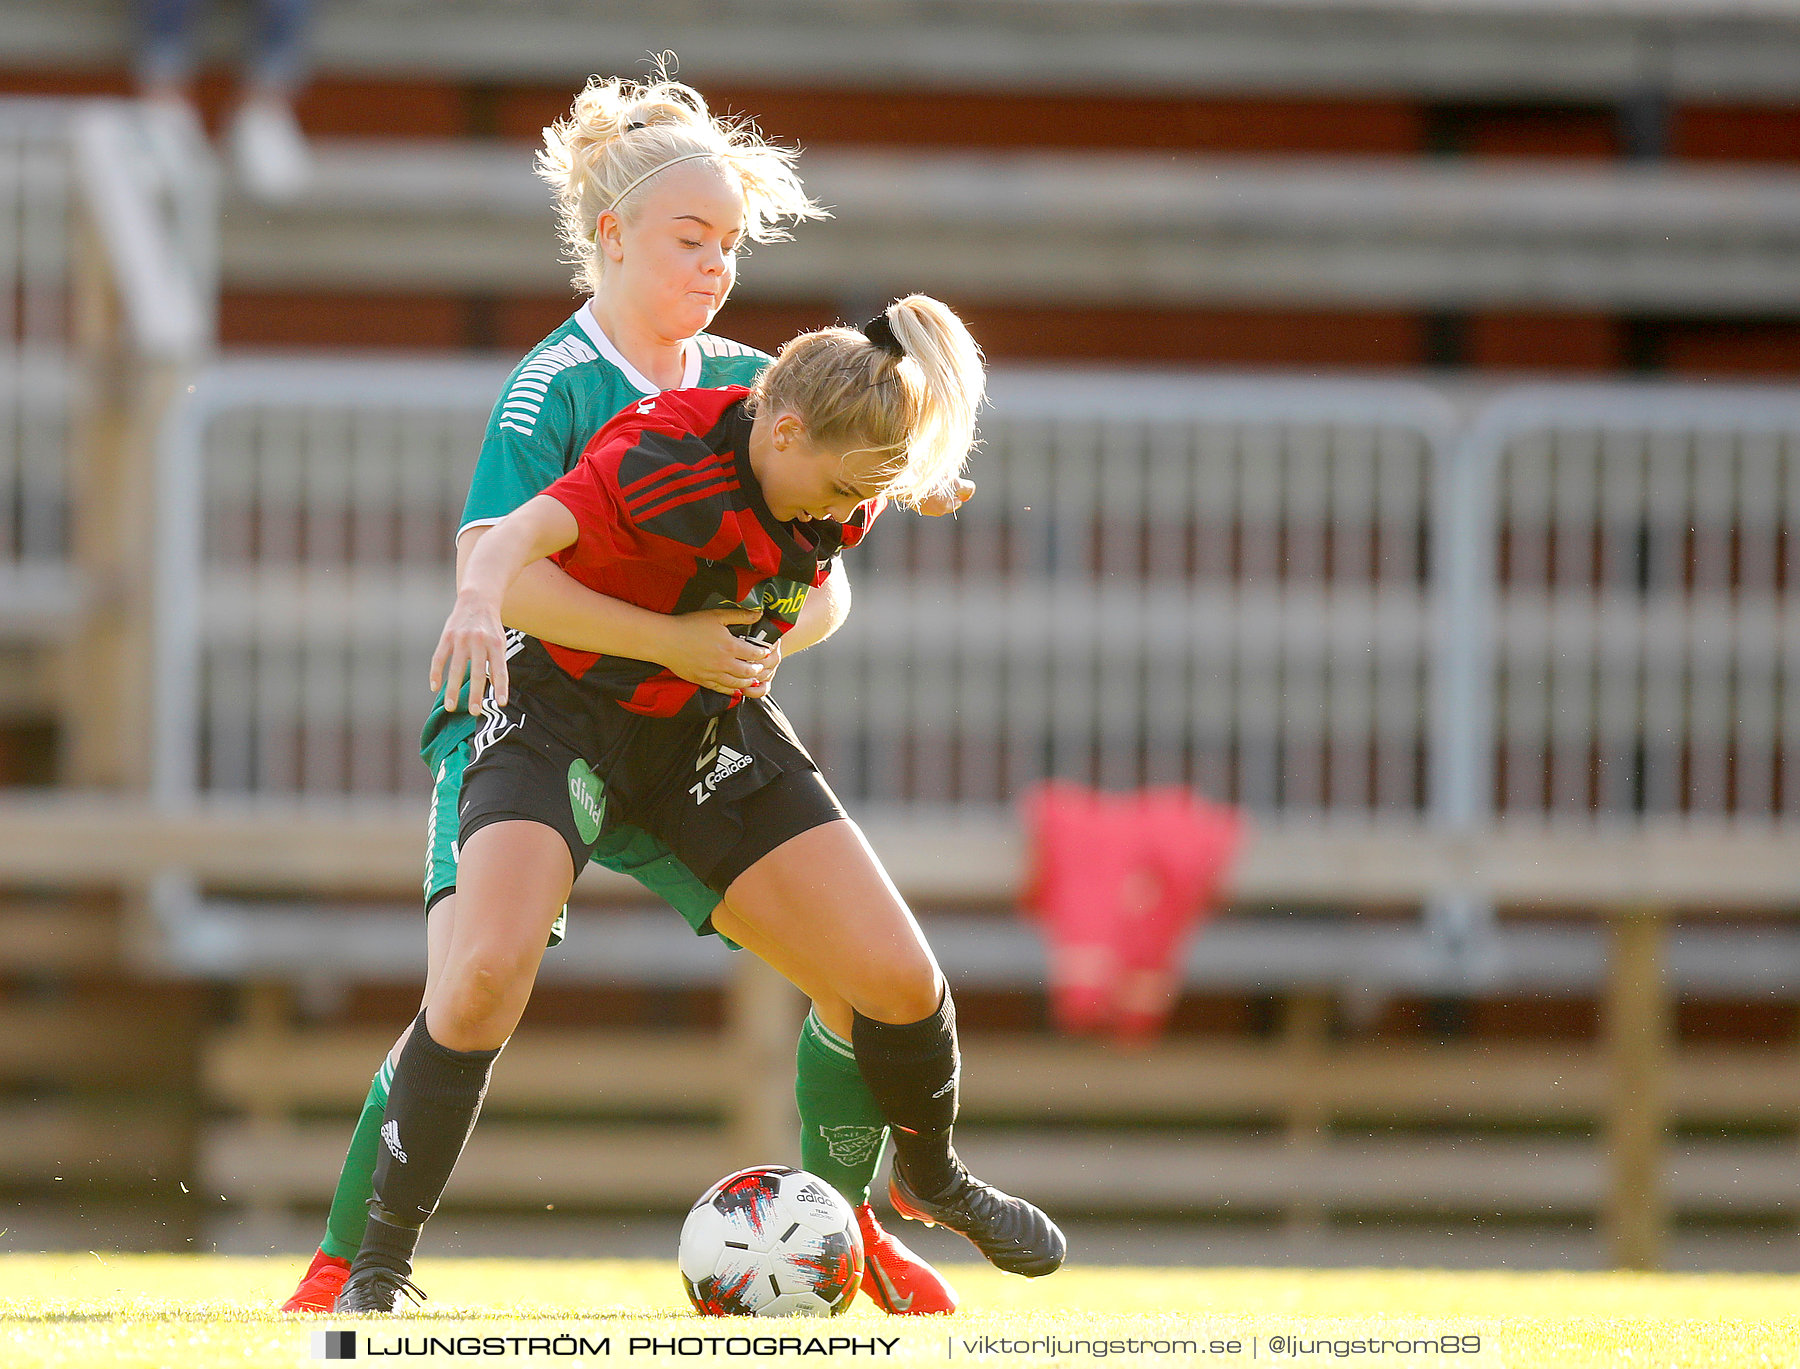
(909, 995)
(400, 1041)
(481, 991)
(462, 1022)
(494, 980)
(836, 1013)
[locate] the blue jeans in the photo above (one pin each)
(276, 61)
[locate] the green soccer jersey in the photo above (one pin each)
(563, 393)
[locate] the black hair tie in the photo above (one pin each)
(880, 332)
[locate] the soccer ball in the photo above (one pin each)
(771, 1242)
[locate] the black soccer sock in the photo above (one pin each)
(913, 1069)
(432, 1106)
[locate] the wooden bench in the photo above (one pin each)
(276, 1076)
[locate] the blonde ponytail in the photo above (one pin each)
(618, 134)
(912, 404)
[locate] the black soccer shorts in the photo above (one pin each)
(722, 792)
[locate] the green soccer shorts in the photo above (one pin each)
(626, 850)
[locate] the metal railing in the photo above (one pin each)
(1214, 582)
(1316, 600)
(309, 513)
(1629, 649)
(123, 193)
(1162, 580)
(37, 223)
(151, 187)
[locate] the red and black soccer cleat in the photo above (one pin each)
(896, 1280)
(1014, 1235)
(319, 1286)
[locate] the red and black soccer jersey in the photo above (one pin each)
(672, 519)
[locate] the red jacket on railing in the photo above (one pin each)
(1118, 881)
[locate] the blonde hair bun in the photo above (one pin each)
(916, 408)
(618, 133)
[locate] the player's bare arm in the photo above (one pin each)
(822, 614)
(699, 647)
(828, 606)
(473, 637)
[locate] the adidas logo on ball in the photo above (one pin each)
(770, 1241)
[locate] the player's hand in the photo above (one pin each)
(947, 501)
(473, 643)
(703, 650)
(761, 687)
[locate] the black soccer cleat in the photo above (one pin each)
(375, 1288)
(1010, 1232)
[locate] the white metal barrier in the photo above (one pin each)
(135, 184)
(151, 188)
(1215, 582)
(37, 222)
(1627, 556)
(309, 516)
(1311, 599)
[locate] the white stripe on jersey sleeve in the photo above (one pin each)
(725, 347)
(525, 396)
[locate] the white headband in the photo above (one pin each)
(664, 166)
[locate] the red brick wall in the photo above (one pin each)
(339, 107)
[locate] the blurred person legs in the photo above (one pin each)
(267, 146)
(268, 150)
(166, 57)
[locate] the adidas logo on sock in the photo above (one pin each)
(950, 1083)
(390, 1135)
(729, 763)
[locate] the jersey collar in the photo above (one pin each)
(787, 536)
(690, 355)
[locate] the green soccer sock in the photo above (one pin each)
(842, 1132)
(356, 1183)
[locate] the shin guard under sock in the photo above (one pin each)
(432, 1105)
(842, 1131)
(350, 1200)
(913, 1069)
(386, 1243)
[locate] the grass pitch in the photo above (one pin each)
(200, 1312)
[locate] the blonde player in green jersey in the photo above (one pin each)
(656, 195)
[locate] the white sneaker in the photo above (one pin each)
(269, 151)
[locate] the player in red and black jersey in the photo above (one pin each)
(665, 511)
(687, 499)
(673, 519)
